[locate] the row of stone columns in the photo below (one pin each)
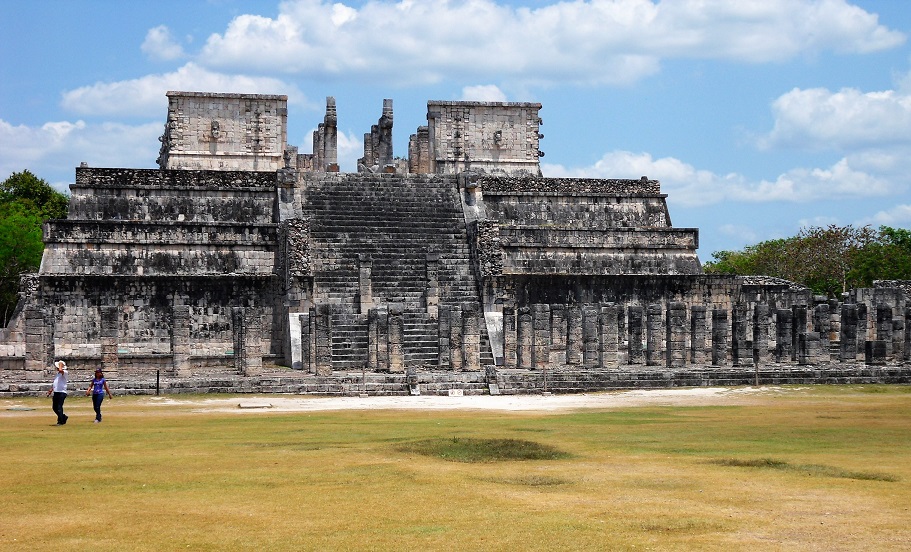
(890, 339)
(40, 351)
(675, 335)
(458, 338)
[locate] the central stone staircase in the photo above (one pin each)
(389, 226)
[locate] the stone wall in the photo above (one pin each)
(211, 131)
(775, 328)
(586, 227)
(488, 137)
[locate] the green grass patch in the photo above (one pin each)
(819, 470)
(530, 481)
(471, 450)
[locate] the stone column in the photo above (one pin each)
(898, 339)
(590, 336)
(558, 333)
(396, 338)
(574, 343)
(323, 334)
(848, 333)
(180, 341)
(875, 352)
(509, 337)
(907, 338)
(654, 336)
(432, 291)
(455, 337)
(541, 333)
(248, 332)
(884, 327)
(719, 337)
(365, 284)
(675, 325)
(862, 327)
(445, 345)
(330, 138)
(372, 337)
(800, 329)
(382, 339)
(784, 330)
(524, 339)
(307, 341)
(110, 324)
(809, 345)
(822, 325)
(761, 334)
(697, 335)
(384, 146)
(610, 336)
(471, 337)
(39, 342)
(834, 320)
(741, 353)
(253, 345)
(635, 330)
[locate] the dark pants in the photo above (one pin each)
(96, 403)
(57, 405)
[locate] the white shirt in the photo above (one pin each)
(60, 382)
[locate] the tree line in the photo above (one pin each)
(829, 260)
(26, 202)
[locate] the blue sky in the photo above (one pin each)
(758, 117)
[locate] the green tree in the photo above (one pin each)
(829, 260)
(26, 202)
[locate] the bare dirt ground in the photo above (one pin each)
(252, 404)
(507, 403)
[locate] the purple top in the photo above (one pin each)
(98, 386)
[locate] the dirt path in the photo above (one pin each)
(511, 403)
(252, 404)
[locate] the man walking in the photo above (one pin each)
(59, 391)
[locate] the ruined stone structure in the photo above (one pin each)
(241, 132)
(242, 264)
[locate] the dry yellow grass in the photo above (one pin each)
(825, 468)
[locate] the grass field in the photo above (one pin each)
(819, 468)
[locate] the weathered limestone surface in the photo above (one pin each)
(491, 137)
(207, 131)
(472, 269)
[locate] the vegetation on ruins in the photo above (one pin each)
(26, 201)
(829, 260)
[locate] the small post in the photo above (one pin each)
(157, 382)
(364, 381)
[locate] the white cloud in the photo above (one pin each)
(899, 216)
(743, 234)
(689, 186)
(159, 45)
(600, 41)
(145, 96)
(819, 221)
(53, 150)
(818, 119)
(483, 93)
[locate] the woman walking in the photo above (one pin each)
(97, 389)
(58, 389)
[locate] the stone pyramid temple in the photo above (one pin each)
(246, 265)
